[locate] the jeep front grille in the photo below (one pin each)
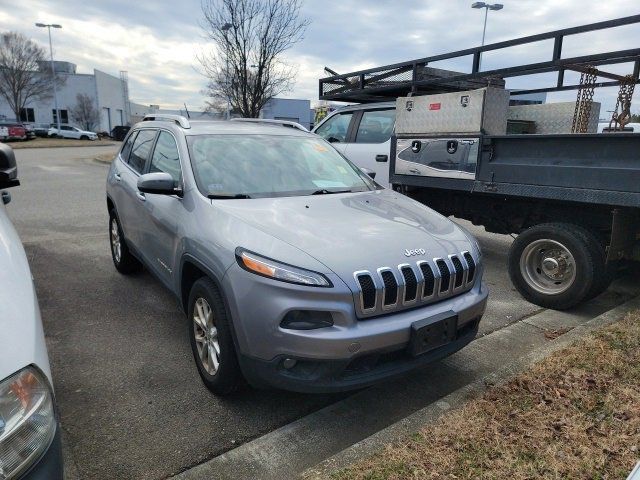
(445, 275)
(426, 281)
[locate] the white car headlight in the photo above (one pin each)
(27, 421)
(284, 272)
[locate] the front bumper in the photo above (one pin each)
(350, 354)
(309, 376)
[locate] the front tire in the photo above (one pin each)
(84, 137)
(211, 339)
(554, 265)
(122, 257)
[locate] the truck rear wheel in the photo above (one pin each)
(555, 265)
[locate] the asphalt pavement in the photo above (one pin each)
(131, 402)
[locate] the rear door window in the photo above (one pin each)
(141, 149)
(376, 126)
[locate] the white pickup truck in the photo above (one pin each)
(30, 446)
(362, 133)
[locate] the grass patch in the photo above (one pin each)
(574, 415)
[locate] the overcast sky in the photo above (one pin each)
(157, 41)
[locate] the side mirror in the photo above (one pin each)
(160, 183)
(8, 168)
(333, 140)
(369, 172)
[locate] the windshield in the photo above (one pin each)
(249, 166)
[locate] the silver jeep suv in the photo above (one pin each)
(295, 269)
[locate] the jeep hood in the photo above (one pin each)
(353, 231)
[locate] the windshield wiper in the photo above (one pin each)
(226, 196)
(324, 191)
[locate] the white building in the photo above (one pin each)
(109, 93)
(291, 109)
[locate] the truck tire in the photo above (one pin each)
(604, 273)
(211, 339)
(555, 265)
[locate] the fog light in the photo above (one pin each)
(306, 320)
(289, 363)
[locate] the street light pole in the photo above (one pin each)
(53, 71)
(487, 7)
(225, 28)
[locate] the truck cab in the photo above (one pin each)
(362, 133)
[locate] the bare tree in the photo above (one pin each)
(85, 112)
(24, 75)
(250, 37)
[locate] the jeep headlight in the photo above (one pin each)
(27, 421)
(284, 272)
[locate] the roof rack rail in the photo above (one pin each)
(161, 117)
(269, 121)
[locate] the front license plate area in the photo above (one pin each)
(432, 332)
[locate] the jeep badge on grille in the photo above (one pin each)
(414, 252)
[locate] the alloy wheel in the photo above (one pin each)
(116, 246)
(206, 336)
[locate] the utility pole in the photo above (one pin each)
(487, 7)
(49, 26)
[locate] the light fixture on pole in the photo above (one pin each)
(487, 7)
(225, 28)
(49, 26)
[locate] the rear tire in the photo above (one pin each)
(555, 265)
(604, 272)
(122, 257)
(211, 339)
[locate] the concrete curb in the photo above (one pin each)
(419, 419)
(102, 161)
(361, 424)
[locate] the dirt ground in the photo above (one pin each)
(59, 142)
(574, 415)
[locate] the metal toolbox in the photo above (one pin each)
(437, 157)
(474, 111)
(553, 117)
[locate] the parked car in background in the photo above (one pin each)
(30, 131)
(14, 131)
(296, 269)
(67, 131)
(362, 133)
(30, 446)
(119, 132)
(42, 129)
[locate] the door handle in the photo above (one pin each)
(141, 196)
(382, 158)
(117, 176)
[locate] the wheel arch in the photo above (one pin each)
(192, 269)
